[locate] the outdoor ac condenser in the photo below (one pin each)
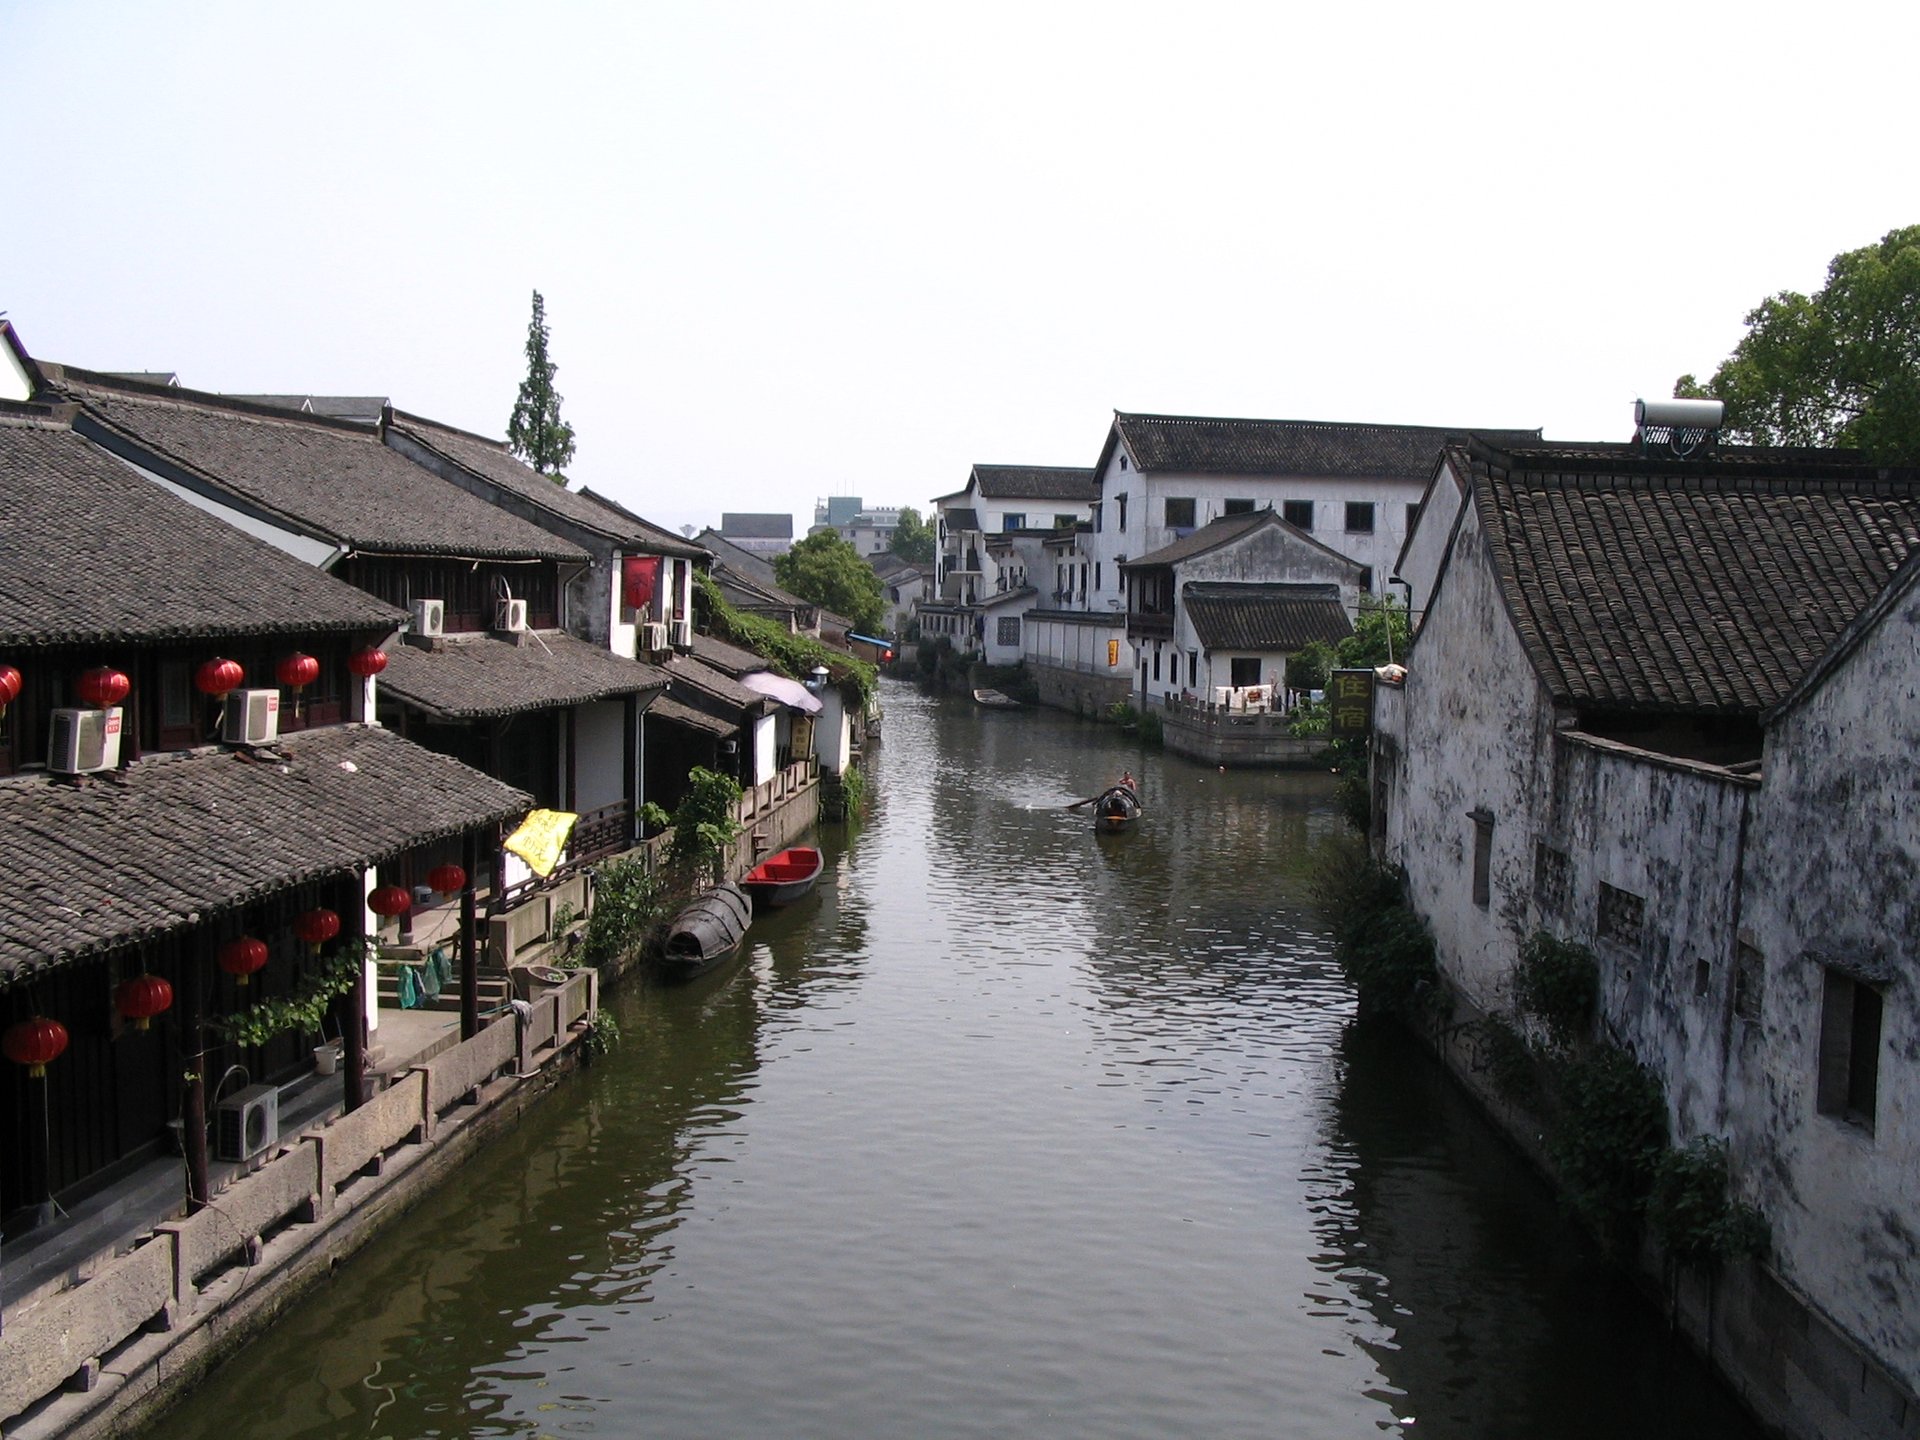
(80, 742)
(247, 1122)
(252, 717)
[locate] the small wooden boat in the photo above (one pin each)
(1116, 811)
(782, 879)
(995, 700)
(707, 930)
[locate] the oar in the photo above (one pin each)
(1088, 801)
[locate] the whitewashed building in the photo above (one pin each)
(1668, 709)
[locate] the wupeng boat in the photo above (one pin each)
(995, 700)
(783, 878)
(1116, 810)
(707, 930)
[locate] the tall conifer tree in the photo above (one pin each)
(536, 433)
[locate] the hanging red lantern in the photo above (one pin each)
(142, 998)
(102, 686)
(9, 687)
(34, 1043)
(447, 879)
(297, 671)
(367, 663)
(390, 900)
(217, 676)
(241, 956)
(316, 927)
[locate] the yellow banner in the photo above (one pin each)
(541, 837)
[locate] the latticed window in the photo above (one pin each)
(1622, 918)
(1550, 877)
(1007, 631)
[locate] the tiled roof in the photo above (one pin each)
(1210, 536)
(692, 677)
(1229, 616)
(1037, 482)
(756, 526)
(675, 713)
(728, 659)
(1192, 444)
(962, 519)
(492, 461)
(177, 839)
(477, 676)
(1708, 586)
(743, 563)
(91, 551)
(363, 409)
(325, 477)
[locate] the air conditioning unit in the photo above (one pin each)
(653, 637)
(510, 615)
(246, 1122)
(80, 742)
(252, 718)
(683, 634)
(429, 617)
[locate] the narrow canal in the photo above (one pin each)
(1008, 1130)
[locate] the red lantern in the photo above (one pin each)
(103, 686)
(217, 676)
(241, 956)
(447, 879)
(142, 998)
(298, 671)
(316, 927)
(367, 663)
(9, 687)
(34, 1043)
(390, 900)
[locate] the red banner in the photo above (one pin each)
(638, 575)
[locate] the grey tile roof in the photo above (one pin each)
(92, 552)
(492, 461)
(674, 713)
(476, 676)
(1074, 483)
(1212, 535)
(1192, 444)
(756, 526)
(362, 409)
(962, 518)
(178, 839)
(694, 678)
(728, 659)
(325, 477)
(1230, 616)
(1708, 586)
(743, 563)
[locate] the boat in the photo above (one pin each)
(707, 930)
(995, 700)
(783, 878)
(1116, 810)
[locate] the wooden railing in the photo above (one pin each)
(771, 792)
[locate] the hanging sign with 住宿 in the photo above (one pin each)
(1350, 703)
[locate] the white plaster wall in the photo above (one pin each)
(1329, 495)
(765, 748)
(1081, 647)
(1421, 563)
(1832, 869)
(832, 739)
(1476, 735)
(599, 772)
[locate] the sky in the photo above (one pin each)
(792, 250)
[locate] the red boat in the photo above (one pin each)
(783, 878)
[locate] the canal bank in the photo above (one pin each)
(1008, 1128)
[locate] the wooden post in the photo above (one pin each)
(469, 951)
(193, 1106)
(351, 1008)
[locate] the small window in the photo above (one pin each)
(1550, 870)
(1359, 517)
(1413, 516)
(1236, 507)
(1749, 972)
(1622, 917)
(1298, 513)
(1121, 501)
(1096, 576)
(1063, 522)
(1366, 580)
(1007, 631)
(1180, 512)
(1014, 520)
(1156, 661)
(1244, 670)
(1702, 978)
(1482, 857)
(1193, 668)
(1123, 462)
(1849, 1050)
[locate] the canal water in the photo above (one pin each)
(1007, 1130)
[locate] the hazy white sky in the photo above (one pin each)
(793, 250)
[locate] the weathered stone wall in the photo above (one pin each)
(1834, 881)
(1078, 691)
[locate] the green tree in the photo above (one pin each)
(1379, 635)
(535, 432)
(912, 538)
(1838, 367)
(828, 571)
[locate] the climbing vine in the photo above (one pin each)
(627, 899)
(305, 1009)
(1557, 982)
(1693, 1214)
(1380, 943)
(1609, 1139)
(795, 655)
(706, 822)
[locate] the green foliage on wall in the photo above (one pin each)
(1557, 982)
(1607, 1144)
(627, 900)
(792, 655)
(1381, 946)
(706, 822)
(303, 1011)
(1694, 1216)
